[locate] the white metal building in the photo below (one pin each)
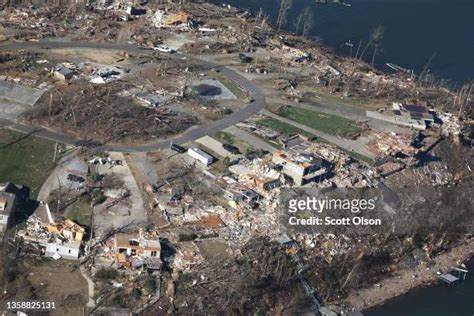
(200, 155)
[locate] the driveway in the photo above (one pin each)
(215, 146)
(125, 212)
(70, 164)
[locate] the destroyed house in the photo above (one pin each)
(136, 251)
(300, 167)
(265, 183)
(56, 240)
(63, 73)
(181, 18)
(66, 230)
(238, 192)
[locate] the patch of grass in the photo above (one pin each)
(236, 89)
(284, 128)
(355, 102)
(150, 284)
(25, 159)
(323, 122)
(80, 212)
(225, 137)
(105, 274)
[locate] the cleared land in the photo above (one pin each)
(25, 159)
(323, 122)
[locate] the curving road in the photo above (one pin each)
(191, 134)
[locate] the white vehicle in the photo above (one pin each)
(164, 49)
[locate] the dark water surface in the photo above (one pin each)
(415, 31)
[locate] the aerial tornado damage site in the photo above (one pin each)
(182, 157)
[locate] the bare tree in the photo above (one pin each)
(308, 20)
(375, 38)
(377, 35)
(298, 23)
(285, 6)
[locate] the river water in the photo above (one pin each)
(436, 34)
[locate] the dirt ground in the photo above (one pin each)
(57, 287)
(94, 55)
(50, 281)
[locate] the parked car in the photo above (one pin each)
(178, 148)
(74, 178)
(244, 58)
(164, 49)
(231, 148)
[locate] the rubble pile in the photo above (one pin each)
(390, 143)
(450, 126)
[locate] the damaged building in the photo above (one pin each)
(302, 168)
(135, 250)
(9, 206)
(237, 193)
(55, 240)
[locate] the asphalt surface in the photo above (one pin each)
(191, 134)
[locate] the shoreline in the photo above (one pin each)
(403, 281)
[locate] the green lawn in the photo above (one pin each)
(284, 128)
(327, 123)
(80, 212)
(225, 137)
(25, 160)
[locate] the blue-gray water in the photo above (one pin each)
(435, 300)
(416, 31)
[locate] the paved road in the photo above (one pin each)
(190, 135)
(357, 145)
